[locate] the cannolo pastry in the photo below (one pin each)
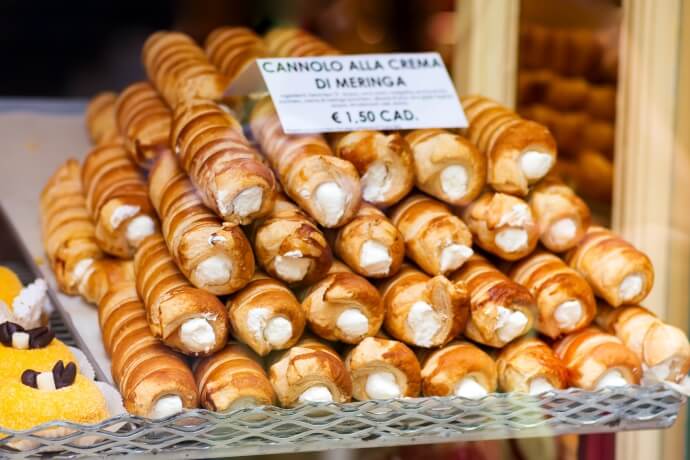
(662, 348)
(423, 311)
(230, 175)
(102, 275)
(184, 317)
(233, 378)
(154, 381)
(447, 166)
(325, 186)
(437, 240)
(502, 225)
(69, 235)
(144, 121)
(596, 360)
(530, 366)
(383, 161)
(458, 369)
(22, 348)
(117, 199)
(296, 42)
(289, 246)
(561, 216)
(565, 302)
(213, 255)
(179, 68)
(343, 306)
(233, 49)
(58, 393)
(100, 118)
(310, 371)
(519, 152)
(370, 244)
(266, 315)
(501, 309)
(617, 272)
(383, 369)
(25, 306)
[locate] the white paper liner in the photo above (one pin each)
(82, 362)
(650, 378)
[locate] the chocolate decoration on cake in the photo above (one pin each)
(39, 337)
(63, 376)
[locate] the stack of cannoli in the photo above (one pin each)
(237, 268)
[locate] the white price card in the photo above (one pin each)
(366, 91)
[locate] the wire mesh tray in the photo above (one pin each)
(314, 427)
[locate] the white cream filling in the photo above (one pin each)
(509, 324)
(20, 340)
(28, 306)
(563, 230)
(197, 335)
(214, 270)
(317, 393)
(276, 330)
(138, 229)
(518, 216)
(469, 388)
(382, 385)
(292, 266)
(248, 201)
(535, 164)
(331, 200)
(375, 182)
(662, 371)
(122, 213)
(568, 314)
(453, 256)
(424, 322)
(539, 385)
(80, 268)
(375, 258)
(45, 381)
(630, 287)
(352, 322)
(612, 378)
(511, 239)
(166, 406)
(454, 181)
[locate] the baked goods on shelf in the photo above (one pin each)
(616, 270)
(102, 275)
(530, 366)
(232, 49)
(228, 172)
(435, 239)
(502, 225)
(154, 381)
(100, 118)
(662, 348)
(266, 315)
(423, 311)
(458, 369)
(597, 360)
(233, 378)
(370, 244)
(383, 161)
(519, 152)
(213, 255)
(343, 306)
(501, 309)
(383, 369)
(447, 166)
(565, 302)
(310, 371)
(117, 200)
(323, 185)
(289, 246)
(184, 317)
(296, 42)
(69, 235)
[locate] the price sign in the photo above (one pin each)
(358, 92)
